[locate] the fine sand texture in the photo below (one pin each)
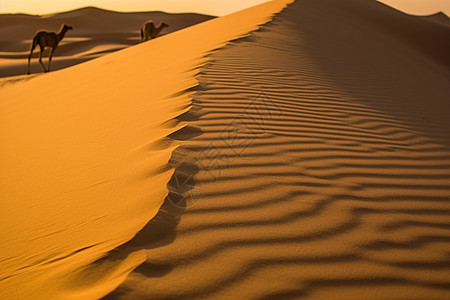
(298, 149)
(85, 159)
(96, 33)
(315, 164)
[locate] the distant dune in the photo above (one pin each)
(96, 33)
(293, 150)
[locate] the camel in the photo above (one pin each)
(149, 31)
(47, 39)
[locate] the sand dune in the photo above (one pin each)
(316, 165)
(308, 159)
(85, 159)
(96, 32)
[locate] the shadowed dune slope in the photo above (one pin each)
(85, 154)
(96, 33)
(316, 165)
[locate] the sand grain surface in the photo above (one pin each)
(84, 158)
(320, 167)
(307, 159)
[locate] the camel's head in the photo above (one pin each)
(67, 27)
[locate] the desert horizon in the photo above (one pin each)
(215, 8)
(89, 39)
(292, 149)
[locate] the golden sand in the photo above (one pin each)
(307, 159)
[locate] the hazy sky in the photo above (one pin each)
(212, 7)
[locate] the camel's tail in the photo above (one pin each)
(33, 45)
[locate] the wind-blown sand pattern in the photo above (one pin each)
(85, 159)
(308, 159)
(316, 164)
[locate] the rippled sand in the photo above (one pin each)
(307, 159)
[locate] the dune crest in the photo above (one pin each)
(85, 158)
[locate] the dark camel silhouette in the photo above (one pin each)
(47, 39)
(149, 31)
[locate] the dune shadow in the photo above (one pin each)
(161, 229)
(405, 76)
(15, 79)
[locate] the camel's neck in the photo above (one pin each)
(62, 33)
(159, 28)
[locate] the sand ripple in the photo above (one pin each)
(316, 164)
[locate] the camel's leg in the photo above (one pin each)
(50, 58)
(145, 35)
(40, 58)
(150, 33)
(31, 53)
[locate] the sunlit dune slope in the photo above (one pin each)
(85, 155)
